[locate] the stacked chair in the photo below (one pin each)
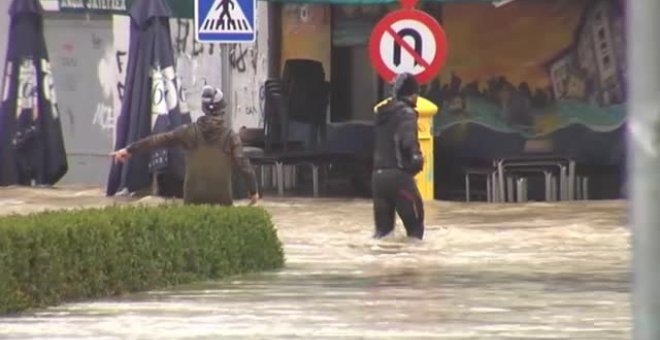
(302, 96)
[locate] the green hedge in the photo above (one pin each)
(56, 256)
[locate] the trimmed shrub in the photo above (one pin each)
(51, 257)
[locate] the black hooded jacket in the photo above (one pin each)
(396, 143)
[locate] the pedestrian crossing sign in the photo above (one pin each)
(225, 21)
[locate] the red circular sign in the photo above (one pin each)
(412, 20)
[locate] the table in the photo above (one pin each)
(565, 166)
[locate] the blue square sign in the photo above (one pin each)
(225, 21)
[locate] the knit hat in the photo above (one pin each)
(212, 99)
(404, 85)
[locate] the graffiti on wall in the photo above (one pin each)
(249, 68)
(196, 64)
(110, 69)
(202, 64)
(183, 43)
(241, 57)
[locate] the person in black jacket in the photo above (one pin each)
(397, 159)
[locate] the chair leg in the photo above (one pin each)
(571, 180)
(467, 188)
(495, 183)
(521, 184)
(315, 179)
(548, 186)
(279, 170)
(563, 184)
(489, 191)
(502, 191)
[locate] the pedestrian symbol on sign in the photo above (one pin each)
(225, 21)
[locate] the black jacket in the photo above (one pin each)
(396, 144)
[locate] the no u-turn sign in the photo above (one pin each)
(408, 40)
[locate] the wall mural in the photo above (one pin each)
(533, 71)
(306, 34)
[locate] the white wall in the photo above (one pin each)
(249, 70)
(77, 47)
(4, 35)
(197, 64)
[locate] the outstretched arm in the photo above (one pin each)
(168, 139)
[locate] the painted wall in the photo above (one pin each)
(534, 75)
(306, 33)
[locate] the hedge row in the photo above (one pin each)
(57, 256)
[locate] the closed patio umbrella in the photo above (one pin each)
(32, 147)
(152, 102)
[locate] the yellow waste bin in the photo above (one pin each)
(426, 110)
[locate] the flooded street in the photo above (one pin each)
(484, 271)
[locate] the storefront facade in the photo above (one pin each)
(528, 76)
(531, 75)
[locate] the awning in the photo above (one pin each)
(184, 9)
(180, 8)
(369, 2)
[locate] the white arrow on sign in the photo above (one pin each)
(408, 46)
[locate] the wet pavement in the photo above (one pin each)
(484, 271)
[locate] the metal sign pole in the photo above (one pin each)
(644, 163)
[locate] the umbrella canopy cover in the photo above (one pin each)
(153, 99)
(32, 149)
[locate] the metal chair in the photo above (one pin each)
(565, 167)
(486, 172)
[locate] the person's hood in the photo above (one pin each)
(213, 128)
(390, 109)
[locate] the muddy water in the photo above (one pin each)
(533, 271)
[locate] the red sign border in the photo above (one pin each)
(408, 14)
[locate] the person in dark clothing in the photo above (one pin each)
(397, 159)
(211, 149)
